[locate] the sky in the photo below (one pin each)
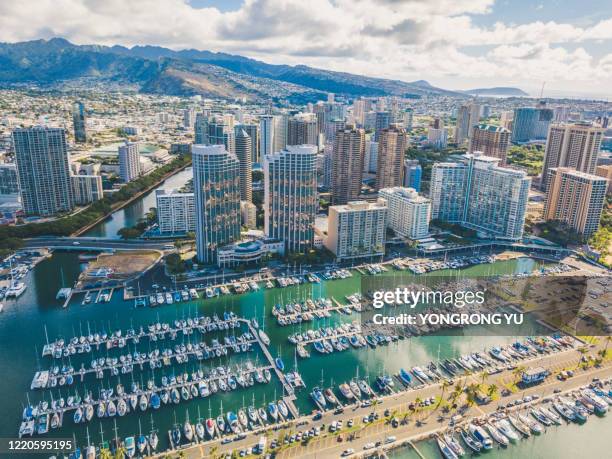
(455, 44)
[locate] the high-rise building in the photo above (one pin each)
(319, 109)
(333, 126)
(248, 214)
(408, 213)
(531, 123)
(347, 165)
(188, 118)
(572, 145)
(253, 131)
(216, 183)
(86, 189)
(290, 196)
(468, 115)
(266, 137)
(479, 194)
(129, 161)
(407, 116)
(437, 137)
(215, 131)
(9, 183)
(79, 121)
(201, 128)
(41, 155)
(381, 121)
(604, 171)
(302, 130)
(328, 164)
(371, 157)
(412, 174)
(490, 140)
(176, 212)
(281, 128)
(357, 230)
(392, 146)
(576, 198)
(360, 108)
(243, 153)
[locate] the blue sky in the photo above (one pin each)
(456, 44)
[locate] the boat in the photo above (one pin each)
(210, 427)
(446, 451)
(273, 411)
(565, 412)
(144, 402)
(130, 446)
(405, 376)
(506, 429)
(355, 389)
(263, 337)
(242, 417)
(221, 424)
(550, 414)
(497, 435)
(518, 425)
(16, 289)
(318, 397)
(78, 415)
(199, 430)
(263, 416)
(176, 436)
(111, 409)
(121, 407)
(453, 444)
(470, 441)
(534, 427)
(188, 430)
(233, 422)
(252, 413)
(155, 400)
(282, 408)
(540, 417)
(345, 390)
(141, 443)
(481, 436)
(279, 363)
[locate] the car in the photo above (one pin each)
(394, 422)
(378, 443)
(242, 453)
(226, 440)
(349, 423)
(365, 419)
(557, 390)
(348, 452)
(76, 243)
(368, 446)
(390, 439)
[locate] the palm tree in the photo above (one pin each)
(493, 389)
(445, 385)
(605, 350)
(518, 372)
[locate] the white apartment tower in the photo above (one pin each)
(408, 213)
(129, 161)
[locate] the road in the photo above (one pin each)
(328, 446)
(93, 243)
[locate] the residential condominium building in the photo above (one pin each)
(347, 165)
(79, 122)
(468, 115)
(437, 137)
(43, 169)
(408, 214)
(86, 189)
(357, 230)
(216, 184)
(531, 123)
(490, 140)
(129, 161)
(253, 132)
(302, 130)
(176, 212)
(392, 146)
(290, 196)
(244, 155)
(412, 174)
(479, 194)
(266, 135)
(215, 131)
(576, 198)
(601, 171)
(9, 183)
(572, 145)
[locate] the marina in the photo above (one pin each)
(373, 361)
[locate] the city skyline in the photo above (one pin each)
(520, 45)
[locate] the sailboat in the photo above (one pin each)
(153, 440)
(187, 428)
(141, 443)
(90, 451)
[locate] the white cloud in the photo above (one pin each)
(406, 39)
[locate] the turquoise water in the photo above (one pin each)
(132, 213)
(22, 336)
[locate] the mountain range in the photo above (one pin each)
(153, 69)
